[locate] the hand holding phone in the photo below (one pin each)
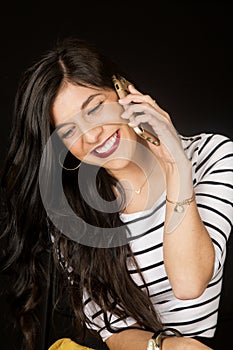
(121, 87)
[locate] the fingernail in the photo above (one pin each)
(132, 123)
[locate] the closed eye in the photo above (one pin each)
(68, 133)
(95, 109)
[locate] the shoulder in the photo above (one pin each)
(204, 144)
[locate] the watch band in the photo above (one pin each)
(155, 343)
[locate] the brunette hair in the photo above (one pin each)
(27, 229)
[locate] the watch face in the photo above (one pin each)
(152, 345)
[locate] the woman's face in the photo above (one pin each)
(88, 122)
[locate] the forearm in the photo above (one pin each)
(138, 340)
(132, 339)
(188, 249)
(174, 343)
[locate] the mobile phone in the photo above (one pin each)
(121, 87)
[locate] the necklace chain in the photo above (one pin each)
(139, 189)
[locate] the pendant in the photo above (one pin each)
(138, 191)
(179, 208)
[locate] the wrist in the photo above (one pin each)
(179, 205)
(179, 183)
(156, 341)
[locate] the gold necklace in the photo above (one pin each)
(138, 191)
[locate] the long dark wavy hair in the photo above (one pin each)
(28, 230)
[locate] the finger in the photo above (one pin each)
(136, 109)
(133, 90)
(135, 98)
(138, 98)
(146, 98)
(138, 119)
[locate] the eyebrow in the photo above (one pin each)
(84, 105)
(89, 99)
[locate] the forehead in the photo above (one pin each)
(71, 98)
(69, 101)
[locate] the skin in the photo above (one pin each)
(137, 340)
(69, 122)
(184, 234)
(67, 107)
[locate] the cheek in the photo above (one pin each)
(130, 133)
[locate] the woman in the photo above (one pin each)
(137, 228)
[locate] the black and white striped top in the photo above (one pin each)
(212, 160)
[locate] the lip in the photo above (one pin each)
(111, 150)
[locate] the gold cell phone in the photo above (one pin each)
(121, 87)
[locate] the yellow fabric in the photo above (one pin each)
(67, 344)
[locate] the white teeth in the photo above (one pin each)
(107, 146)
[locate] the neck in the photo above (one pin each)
(139, 179)
(142, 179)
(142, 197)
(136, 170)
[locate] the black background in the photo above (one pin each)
(179, 53)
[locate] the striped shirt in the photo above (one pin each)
(212, 164)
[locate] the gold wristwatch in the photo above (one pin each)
(155, 343)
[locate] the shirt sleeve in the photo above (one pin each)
(97, 323)
(213, 184)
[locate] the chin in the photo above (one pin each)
(116, 164)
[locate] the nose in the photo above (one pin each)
(92, 135)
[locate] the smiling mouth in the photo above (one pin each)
(108, 147)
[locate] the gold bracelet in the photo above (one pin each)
(155, 343)
(179, 206)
